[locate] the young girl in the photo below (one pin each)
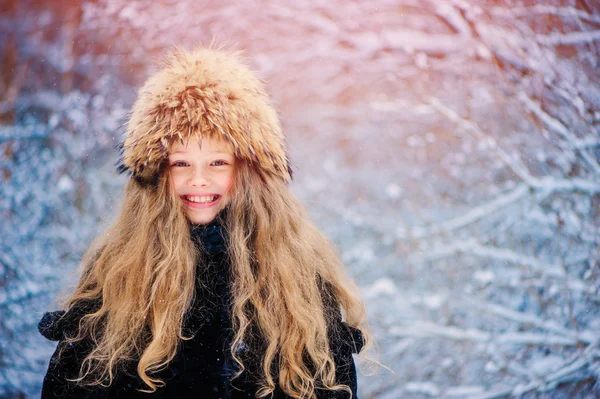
(212, 283)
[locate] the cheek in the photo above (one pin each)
(174, 181)
(175, 187)
(228, 184)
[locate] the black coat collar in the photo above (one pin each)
(212, 237)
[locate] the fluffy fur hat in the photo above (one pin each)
(206, 91)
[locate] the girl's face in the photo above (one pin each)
(202, 177)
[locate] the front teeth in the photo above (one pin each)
(201, 200)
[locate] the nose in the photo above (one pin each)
(199, 177)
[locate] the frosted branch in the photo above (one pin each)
(567, 12)
(556, 126)
(472, 216)
(552, 184)
(437, 44)
(544, 183)
(524, 318)
(513, 164)
(23, 133)
(451, 15)
(496, 254)
(586, 142)
(426, 329)
(555, 39)
(578, 374)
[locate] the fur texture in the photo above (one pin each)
(205, 91)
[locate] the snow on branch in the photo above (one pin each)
(426, 329)
(514, 164)
(471, 247)
(22, 295)
(8, 263)
(453, 17)
(558, 127)
(552, 184)
(475, 214)
(555, 39)
(428, 43)
(544, 183)
(571, 372)
(567, 12)
(422, 387)
(48, 100)
(15, 132)
(554, 124)
(586, 142)
(586, 337)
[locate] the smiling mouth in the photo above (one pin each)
(205, 199)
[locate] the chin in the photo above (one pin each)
(201, 219)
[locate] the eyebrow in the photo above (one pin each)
(212, 152)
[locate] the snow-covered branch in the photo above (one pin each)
(472, 247)
(558, 127)
(512, 162)
(516, 165)
(23, 133)
(473, 215)
(586, 337)
(431, 44)
(425, 329)
(556, 39)
(540, 9)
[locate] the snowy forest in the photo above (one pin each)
(449, 148)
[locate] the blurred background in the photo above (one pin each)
(449, 148)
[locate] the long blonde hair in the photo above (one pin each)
(142, 271)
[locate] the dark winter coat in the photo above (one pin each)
(203, 366)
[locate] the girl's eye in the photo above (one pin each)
(179, 163)
(220, 162)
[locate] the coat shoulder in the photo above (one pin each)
(59, 324)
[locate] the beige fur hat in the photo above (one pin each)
(205, 91)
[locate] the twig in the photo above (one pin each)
(450, 14)
(475, 214)
(555, 39)
(23, 133)
(425, 329)
(556, 126)
(524, 318)
(435, 44)
(544, 9)
(515, 165)
(472, 247)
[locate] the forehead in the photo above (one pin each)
(203, 144)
